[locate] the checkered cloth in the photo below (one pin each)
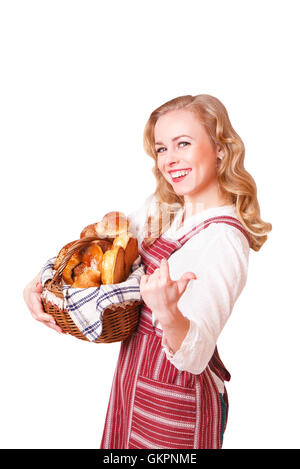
(86, 306)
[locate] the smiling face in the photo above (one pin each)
(182, 143)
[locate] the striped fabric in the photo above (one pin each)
(86, 305)
(153, 404)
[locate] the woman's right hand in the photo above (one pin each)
(32, 296)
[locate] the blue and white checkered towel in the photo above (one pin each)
(86, 306)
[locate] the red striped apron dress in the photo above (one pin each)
(152, 404)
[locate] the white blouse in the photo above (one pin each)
(218, 255)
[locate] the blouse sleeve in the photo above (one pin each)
(208, 301)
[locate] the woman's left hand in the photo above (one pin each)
(161, 294)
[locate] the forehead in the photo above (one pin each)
(175, 123)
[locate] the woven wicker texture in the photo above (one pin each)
(118, 321)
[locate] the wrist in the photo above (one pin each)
(172, 318)
(181, 323)
(175, 334)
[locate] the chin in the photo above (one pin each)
(181, 192)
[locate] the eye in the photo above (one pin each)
(161, 148)
(184, 142)
(158, 150)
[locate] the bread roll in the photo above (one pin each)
(130, 245)
(113, 266)
(91, 230)
(114, 224)
(87, 257)
(104, 244)
(78, 270)
(106, 260)
(68, 270)
(88, 278)
(111, 225)
(92, 256)
(62, 254)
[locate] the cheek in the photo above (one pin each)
(204, 150)
(205, 156)
(159, 163)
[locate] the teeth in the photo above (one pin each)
(179, 173)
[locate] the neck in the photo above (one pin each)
(193, 205)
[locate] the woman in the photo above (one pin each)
(168, 389)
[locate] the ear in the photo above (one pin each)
(221, 153)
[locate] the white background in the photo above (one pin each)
(79, 80)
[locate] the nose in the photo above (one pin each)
(171, 159)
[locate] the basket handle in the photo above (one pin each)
(79, 244)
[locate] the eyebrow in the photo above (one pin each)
(173, 139)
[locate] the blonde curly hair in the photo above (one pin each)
(235, 183)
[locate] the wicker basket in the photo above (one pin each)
(119, 321)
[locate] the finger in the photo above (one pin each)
(190, 275)
(55, 327)
(156, 273)
(144, 280)
(164, 269)
(38, 312)
(145, 277)
(44, 318)
(37, 287)
(184, 280)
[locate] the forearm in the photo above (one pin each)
(176, 329)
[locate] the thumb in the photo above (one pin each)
(184, 280)
(38, 287)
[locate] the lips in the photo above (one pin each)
(180, 169)
(180, 178)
